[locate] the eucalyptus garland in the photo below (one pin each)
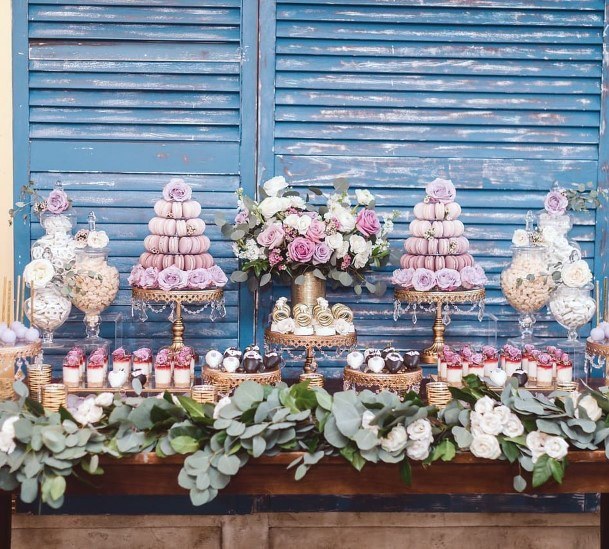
(39, 449)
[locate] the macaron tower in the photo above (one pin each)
(177, 252)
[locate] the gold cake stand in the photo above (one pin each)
(310, 343)
(225, 382)
(8, 357)
(439, 299)
(400, 383)
(597, 353)
(215, 297)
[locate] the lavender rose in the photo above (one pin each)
(473, 277)
(367, 222)
(272, 236)
(423, 280)
(322, 254)
(448, 279)
(199, 279)
(177, 190)
(402, 278)
(135, 276)
(150, 278)
(441, 190)
(57, 202)
(556, 203)
(301, 250)
(172, 278)
(217, 276)
(316, 231)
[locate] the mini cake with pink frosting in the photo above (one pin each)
(437, 252)
(177, 252)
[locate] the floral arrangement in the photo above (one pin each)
(91, 238)
(173, 278)
(559, 200)
(285, 235)
(56, 202)
(39, 449)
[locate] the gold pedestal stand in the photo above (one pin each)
(439, 299)
(8, 357)
(310, 343)
(226, 382)
(178, 298)
(400, 383)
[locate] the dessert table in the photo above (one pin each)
(148, 475)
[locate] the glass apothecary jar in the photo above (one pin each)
(527, 285)
(50, 310)
(572, 308)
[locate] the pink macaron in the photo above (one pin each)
(453, 210)
(191, 209)
(162, 208)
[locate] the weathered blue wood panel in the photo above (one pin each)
(502, 97)
(124, 95)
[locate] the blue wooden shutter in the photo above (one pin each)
(502, 97)
(125, 95)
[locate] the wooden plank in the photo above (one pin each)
(133, 67)
(184, 157)
(438, 16)
(163, 3)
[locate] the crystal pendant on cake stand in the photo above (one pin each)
(178, 301)
(441, 304)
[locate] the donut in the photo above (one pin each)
(176, 210)
(162, 208)
(191, 209)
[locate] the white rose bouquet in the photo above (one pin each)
(285, 235)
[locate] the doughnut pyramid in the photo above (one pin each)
(176, 236)
(437, 240)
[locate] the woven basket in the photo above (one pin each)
(6, 388)
(438, 394)
(203, 393)
(54, 396)
(315, 379)
(37, 377)
(400, 383)
(226, 382)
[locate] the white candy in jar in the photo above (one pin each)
(57, 224)
(51, 309)
(572, 311)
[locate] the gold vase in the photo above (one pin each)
(309, 290)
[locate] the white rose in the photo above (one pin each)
(364, 197)
(367, 417)
(549, 235)
(576, 274)
(513, 427)
(224, 401)
(342, 327)
(490, 423)
(535, 442)
(520, 238)
(357, 243)
(474, 420)
(97, 239)
(295, 202)
(345, 219)
(285, 326)
(556, 447)
(303, 224)
(485, 446)
(503, 412)
(484, 405)
(88, 412)
(7, 443)
(591, 407)
(37, 252)
(104, 400)
(291, 220)
(38, 273)
(418, 449)
(395, 440)
(360, 260)
(271, 206)
(274, 185)
(342, 250)
(8, 426)
(419, 429)
(334, 241)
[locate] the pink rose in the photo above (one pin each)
(489, 352)
(448, 279)
(177, 190)
(544, 358)
(242, 217)
(556, 203)
(423, 280)
(120, 354)
(317, 231)
(477, 358)
(199, 279)
(402, 278)
(272, 236)
(441, 190)
(467, 352)
(367, 222)
(473, 277)
(57, 202)
(172, 278)
(162, 357)
(217, 276)
(149, 277)
(301, 250)
(322, 254)
(144, 354)
(135, 276)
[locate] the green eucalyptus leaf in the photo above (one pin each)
(520, 483)
(548, 427)
(366, 439)
(541, 471)
(301, 471)
(247, 394)
(463, 437)
(228, 465)
(184, 445)
(333, 435)
(29, 490)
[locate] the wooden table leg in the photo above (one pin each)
(6, 515)
(604, 512)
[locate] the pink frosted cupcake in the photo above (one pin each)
(491, 359)
(162, 368)
(142, 361)
(71, 370)
(121, 360)
(95, 371)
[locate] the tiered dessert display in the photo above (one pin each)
(312, 327)
(177, 269)
(386, 369)
(226, 371)
(18, 344)
(287, 237)
(437, 273)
